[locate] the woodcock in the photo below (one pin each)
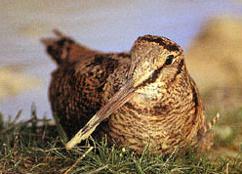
(142, 98)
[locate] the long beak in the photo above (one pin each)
(117, 101)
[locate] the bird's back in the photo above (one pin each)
(76, 90)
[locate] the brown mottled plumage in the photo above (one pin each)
(143, 97)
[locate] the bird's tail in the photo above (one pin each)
(63, 49)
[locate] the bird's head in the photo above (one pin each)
(155, 59)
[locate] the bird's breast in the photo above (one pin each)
(136, 128)
(155, 116)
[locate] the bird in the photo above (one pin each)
(142, 98)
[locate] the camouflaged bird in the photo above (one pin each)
(142, 98)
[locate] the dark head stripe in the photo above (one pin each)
(167, 44)
(153, 77)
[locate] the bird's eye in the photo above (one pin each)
(169, 59)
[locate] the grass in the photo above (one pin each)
(34, 146)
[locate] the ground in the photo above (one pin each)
(35, 146)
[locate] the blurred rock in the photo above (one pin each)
(13, 81)
(215, 60)
(224, 134)
(34, 29)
